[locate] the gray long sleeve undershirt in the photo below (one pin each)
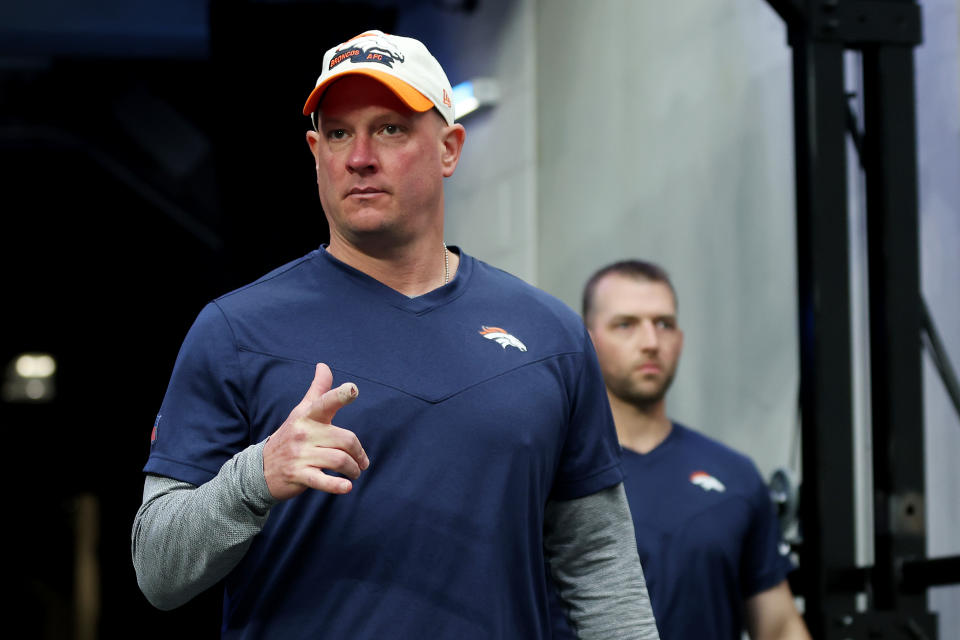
(187, 538)
(592, 550)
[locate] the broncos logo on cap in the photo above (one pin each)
(501, 337)
(373, 54)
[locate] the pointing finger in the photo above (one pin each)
(326, 406)
(347, 393)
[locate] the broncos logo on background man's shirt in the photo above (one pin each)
(706, 481)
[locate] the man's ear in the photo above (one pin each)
(451, 140)
(313, 139)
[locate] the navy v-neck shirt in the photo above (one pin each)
(706, 532)
(478, 402)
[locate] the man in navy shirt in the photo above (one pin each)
(473, 474)
(705, 526)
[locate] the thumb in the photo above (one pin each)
(332, 401)
(322, 380)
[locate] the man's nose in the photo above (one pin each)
(362, 157)
(647, 337)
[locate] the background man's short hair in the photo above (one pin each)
(637, 269)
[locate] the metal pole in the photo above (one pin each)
(827, 499)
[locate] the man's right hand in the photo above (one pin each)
(306, 443)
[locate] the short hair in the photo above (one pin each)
(636, 269)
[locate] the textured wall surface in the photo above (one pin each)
(938, 131)
(665, 132)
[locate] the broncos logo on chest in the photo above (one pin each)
(707, 482)
(501, 337)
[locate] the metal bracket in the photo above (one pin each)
(864, 22)
(885, 625)
(907, 514)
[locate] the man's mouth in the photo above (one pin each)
(364, 191)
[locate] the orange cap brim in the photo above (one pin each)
(407, 94)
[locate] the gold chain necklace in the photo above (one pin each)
(446, 264)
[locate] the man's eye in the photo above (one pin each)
(391, 129)
(665, 324)
(336, 134)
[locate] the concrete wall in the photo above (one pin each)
(938, 131)
(665, 132)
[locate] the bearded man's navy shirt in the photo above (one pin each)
(707, 534)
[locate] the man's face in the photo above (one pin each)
(633, 324)
(380, 165)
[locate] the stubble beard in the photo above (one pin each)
(643, 399)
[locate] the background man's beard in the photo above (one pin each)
(639, 398)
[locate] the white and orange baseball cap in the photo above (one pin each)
(402, 64)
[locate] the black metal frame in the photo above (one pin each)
(885, 32)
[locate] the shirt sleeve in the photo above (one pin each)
(591, 551)
(590, 460)
(765, 563)
(202, 421)
(186, 538)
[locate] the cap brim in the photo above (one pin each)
(407, 94)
